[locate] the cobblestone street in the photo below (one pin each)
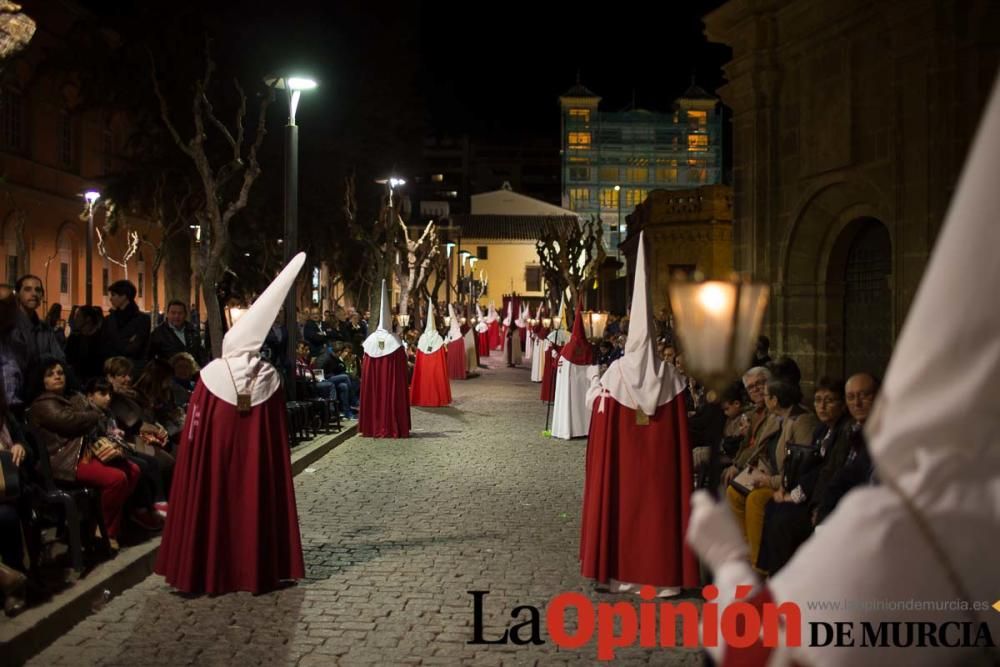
(395, 534)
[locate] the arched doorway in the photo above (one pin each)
(860, 273)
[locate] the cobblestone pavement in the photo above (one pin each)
(395, 533)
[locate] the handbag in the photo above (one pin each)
(105, 449)
(799, 460)
(10, 478)
(743, 482)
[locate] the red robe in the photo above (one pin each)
(233, 524)
(429, 386)
(385, 405)
(456, 359)
(483, 344)
(493, 330)
(550, 362)
(636, 497)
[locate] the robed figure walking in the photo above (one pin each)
(233, 524)
(429, 386)
(638, 479)
(385, 399)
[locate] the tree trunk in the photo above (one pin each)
(177, 270)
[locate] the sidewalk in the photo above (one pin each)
(31, 632)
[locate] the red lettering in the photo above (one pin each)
(607, 641)
(792, 623)
(668, 624)
(555, 619)
(647, 618)
(710, 616)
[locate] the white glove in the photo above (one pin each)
(713, 532)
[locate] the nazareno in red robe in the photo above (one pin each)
(429, 386)
(550, 362)
(483, 344)
(636, 497)
(233, 524)
(456, 359)
(385, 399)
(493, 331)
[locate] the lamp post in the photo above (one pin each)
(618, 229)
(391, 183)
(447, 281)
(294, 87)
(91, 196)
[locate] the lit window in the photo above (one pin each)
(698, 119)
(697, 142)
(579, 174)
(636, 174)
(609, 174)
(579, 139)
(666, 174)
(609, 198)
(579, 197)
(635, 196)
(582, 115)
(533, 278)
(437, 178)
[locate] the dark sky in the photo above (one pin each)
(494, 69)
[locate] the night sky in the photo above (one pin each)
(493, 69)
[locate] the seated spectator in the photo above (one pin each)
(766, 461)
(126, 329)
(185, 377)
(10, 355)
(149, 498)
(787, 518)
(353, 369)
(14, 511)
(134, 416)
(176, 335)
(335, 372)
(313, 334)
(85, 345)
(857, 469)
(64, 425)
(357, 331)
(154, 389)
(762, 423)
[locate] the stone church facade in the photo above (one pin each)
(851, 122)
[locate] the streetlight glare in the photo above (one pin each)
(91, 196)
(618, 188)
(394, 182)
(301, 83)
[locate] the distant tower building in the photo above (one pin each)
(611, 160)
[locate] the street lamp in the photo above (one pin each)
(91, 196)
(391, 183)
(294, 85)
(618, 230)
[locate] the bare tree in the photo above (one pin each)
(569, 253)
(412, 271)
(220, 203)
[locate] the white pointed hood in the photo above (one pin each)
(430, 340)
(241, 365)
(559, 335)
(382, 341)
(939, 402)
(522, 318)
(491, 315)
(455, 328)
(510, 313)
(640, 379)
(481, 325)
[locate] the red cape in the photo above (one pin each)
(232, 524)
(456, 359)
(385, 405)
(549, 373)
(636, 497)
(429, 386)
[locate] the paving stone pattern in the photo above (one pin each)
(395, 533)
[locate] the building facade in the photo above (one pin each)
(851, 123)
(611, 160)
(686, 231)
(54, 147)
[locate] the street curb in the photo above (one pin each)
(33, 631)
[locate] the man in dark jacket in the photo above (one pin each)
(176, 335)
(126, 329)
(32, 339)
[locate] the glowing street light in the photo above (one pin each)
(91, 196)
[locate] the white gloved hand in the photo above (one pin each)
(713, 532)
